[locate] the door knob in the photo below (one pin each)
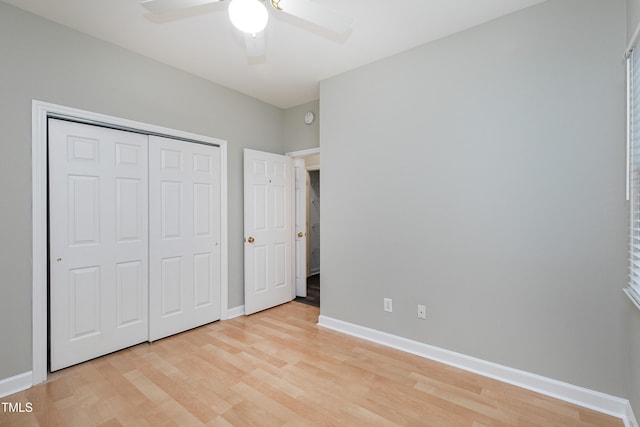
(301, 234)
(251, 240)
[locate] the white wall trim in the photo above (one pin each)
(235, 312)
(15, 384)
(629, 417)
(581, 396)
(39, 240)
(303, 153)
(40, 111)
(224, 234)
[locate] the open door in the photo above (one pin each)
(268, 230)
(301, 228)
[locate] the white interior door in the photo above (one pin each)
(301, 227)
(98, 241)
(184, 224)
(268, 230)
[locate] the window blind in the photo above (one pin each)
(633, 136)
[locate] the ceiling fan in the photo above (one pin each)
(251, 16)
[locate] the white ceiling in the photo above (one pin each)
(202, 41)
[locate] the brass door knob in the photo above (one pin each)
(251, 240)
(301, 234)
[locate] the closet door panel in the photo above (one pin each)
(184, 224)
(98, 241)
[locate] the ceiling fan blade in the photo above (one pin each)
(163, 6)
(316, 14)
(255, 44)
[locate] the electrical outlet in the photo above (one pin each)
(388, 304)
(422, 312)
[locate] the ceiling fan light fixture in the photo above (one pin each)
(249, 16)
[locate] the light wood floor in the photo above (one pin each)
(277, 368)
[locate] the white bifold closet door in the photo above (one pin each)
(134, 239)
(184, 224)
(98, 241)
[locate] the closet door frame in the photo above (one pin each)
(41, 111)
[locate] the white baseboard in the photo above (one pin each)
(629, 417)
(235, 312)
(15, 384)
(581, 396)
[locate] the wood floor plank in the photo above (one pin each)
(278, 368)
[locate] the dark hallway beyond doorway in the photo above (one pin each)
(313, 291)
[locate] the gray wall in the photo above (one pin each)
(298, 135)
(483, 176)
(634, 359)
(45, 61)
(633, 19)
